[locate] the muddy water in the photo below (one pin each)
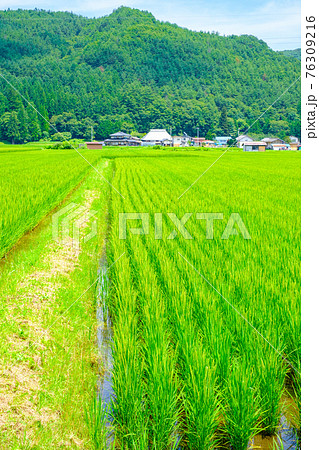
(105, 342)
(287, 439)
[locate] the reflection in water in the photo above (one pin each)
(105, 342)
(287, 439)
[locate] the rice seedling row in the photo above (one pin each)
(230, 381)
(32, 183)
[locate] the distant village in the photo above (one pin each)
(160, 137)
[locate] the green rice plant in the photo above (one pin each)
(241, 410)
(201, 401)
(198, 333)
(36, 182)
(96, 419)
(159, 356)
(271, 372)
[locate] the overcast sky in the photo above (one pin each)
(277, 22)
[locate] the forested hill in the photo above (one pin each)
(132, 72)
(296, 53)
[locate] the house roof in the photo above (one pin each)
(219, 138)
(270, 140)
(120, 134)
(242, 136)
(157, 135)
(280, 145)
(261, 143)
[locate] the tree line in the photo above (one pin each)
(131, 72)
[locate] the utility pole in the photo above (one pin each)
(198, 136)
(91, 134)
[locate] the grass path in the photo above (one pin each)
(49, 361)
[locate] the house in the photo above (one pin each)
(283, 146)
(157, 137)
(122, 139)
(270, 141)
(198, 141)
(222, 140)
(254, 146)
(243, 138)
(294, 143)
(94, 145)
(181, 141)
(208, 143)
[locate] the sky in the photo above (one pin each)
(277, 22)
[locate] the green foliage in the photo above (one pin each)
(35, 184)
(131, 71)
(10, 126)
(292, 53)
(61, 136)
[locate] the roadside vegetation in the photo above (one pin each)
(49, 358)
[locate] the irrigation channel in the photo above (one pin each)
(104, 342)
(288, 439)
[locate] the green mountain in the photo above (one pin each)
(132, 72)
(296, 53)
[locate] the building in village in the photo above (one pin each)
(254, 146)
(157, 137)
(181, 141)
(283, 146)
(222, 140)
(294, 143)
(209, 143)
(122, 139)
(198, 141)
(242, 139)
(94, 145)
(271, 141)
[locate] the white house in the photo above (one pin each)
(157, 137)
(181, 141)
(242, 139)
(283, 146)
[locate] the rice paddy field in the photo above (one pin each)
(206, 331)
(33, 181)
(204, 323)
